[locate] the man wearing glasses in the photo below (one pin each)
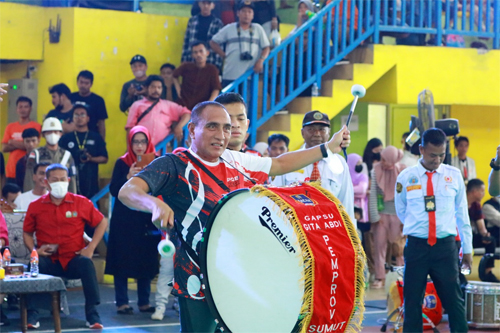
(332, 171)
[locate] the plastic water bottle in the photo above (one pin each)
(6, 257)
(34, 263)
(275, 38)
(315, 90)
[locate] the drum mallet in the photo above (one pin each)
(166, 248)
(358, 91)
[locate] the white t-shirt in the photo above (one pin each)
(233, 66)
(23, 200)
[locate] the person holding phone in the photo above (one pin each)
(133, 90)
(133, 239)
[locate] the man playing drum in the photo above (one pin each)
(431, 203)
(192, 182)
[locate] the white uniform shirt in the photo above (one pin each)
(335, 177)
(468, 164)
(451, 203)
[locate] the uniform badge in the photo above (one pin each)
(448, 179)
(399, 187)
(318, 116)
(68, 214)
(413, 180)
(75, 214)
(71, 144)
(430, 203)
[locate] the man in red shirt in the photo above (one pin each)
(58, 218)
(12, 139)
(200, 80)
(156, 114)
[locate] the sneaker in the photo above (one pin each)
(158, 315)
(34, 326)
(95, 326)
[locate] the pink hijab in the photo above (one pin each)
(386, 176)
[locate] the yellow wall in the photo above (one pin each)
(102, 41)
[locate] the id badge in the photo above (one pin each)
(430, 203)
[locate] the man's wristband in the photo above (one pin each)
(324, 150)
(494, 166)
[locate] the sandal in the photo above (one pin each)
(125, 311)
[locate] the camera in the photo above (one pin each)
(246, 56)
(83, 156)
(138, 87)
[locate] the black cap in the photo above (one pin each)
(315, 117)
(138, 58)
(81, 105)
(245, 3)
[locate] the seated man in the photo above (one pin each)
(23, 201)
(59, 218)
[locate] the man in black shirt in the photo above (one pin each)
(63, 106)
(97, 106)
(133, 90)
(88, 150)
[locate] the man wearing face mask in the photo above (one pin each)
(61, 99)
(52, 153)
(58, 219)
(133, 90)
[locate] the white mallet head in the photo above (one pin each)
(358, 90)
(166, 248)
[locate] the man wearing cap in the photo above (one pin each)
(12, 139)
(332, 171)
(52, 131)
(246, 45)
(88, 150)
(133, 90)
(202, 27)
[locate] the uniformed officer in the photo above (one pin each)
(431, 203)
(52, 153)
(331, 170)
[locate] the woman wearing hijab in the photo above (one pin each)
(385, 223)
(133, 239)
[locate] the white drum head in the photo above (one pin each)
(253, 273)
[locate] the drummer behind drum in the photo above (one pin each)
(192, 182)
(430, 198)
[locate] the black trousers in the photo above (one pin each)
(79, 267)
(195, 316)
(440, 262)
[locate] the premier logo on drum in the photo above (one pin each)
(267, 222)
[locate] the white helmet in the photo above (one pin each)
(51, 124)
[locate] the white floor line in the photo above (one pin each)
(111, 328)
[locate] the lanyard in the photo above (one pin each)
(81, 146)
(238, 30)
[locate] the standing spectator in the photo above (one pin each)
(88, 150)
(132, 236)
(246, 45)
(200, 80)
(481, 238)
(10, 192)
(31, 141)
(23, 201)
(156, 114)
(360, 182)
(494, 177)
(97, 106)
(2, 170)
(167, 73)
(59, 218)
(52, 153)
(237, 109)
(385, 223)
(465, 164)
(202, 27)
(408, 158)
(278, 145)
(431, 203)
(61, 99)
(12, 139)
(265, 15)
(332, 169)
(371, 155)
(134, 89)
